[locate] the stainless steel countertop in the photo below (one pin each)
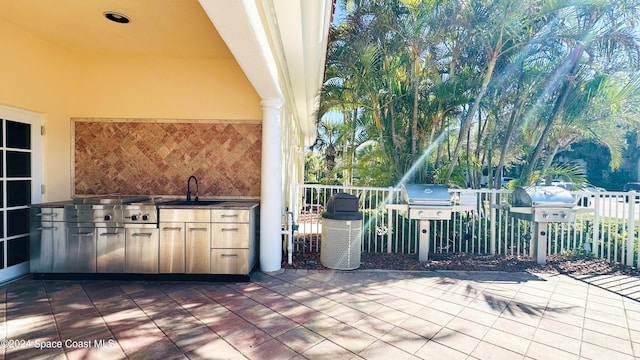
(224, 205)
(54, 204)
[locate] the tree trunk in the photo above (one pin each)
(572, 60)
(466, 125)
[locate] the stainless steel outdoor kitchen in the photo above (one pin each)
(544, 205)
(144, 237)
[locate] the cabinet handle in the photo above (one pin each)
(83, 234)
(47, 228)
(171, 228)
(47, 214)
(142, 234)
(230, 216)
(229, 255)
(230, 229)
(198, 229)
(109, 234)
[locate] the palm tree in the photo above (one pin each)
(496, 30)
(598, 29)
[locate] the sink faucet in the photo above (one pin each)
(189, 187)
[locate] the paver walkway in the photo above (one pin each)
(322, 315)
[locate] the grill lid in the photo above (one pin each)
(426, 194)
(542, 196)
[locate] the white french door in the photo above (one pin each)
(20, 186)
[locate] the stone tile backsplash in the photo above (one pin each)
(142, 157)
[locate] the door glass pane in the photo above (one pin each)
(1, 254)
(18, 135)
(17, 222)
(17, 250)
(1, 224)
(1, 160)
(18, 193)
(18, 164)
(1, 137)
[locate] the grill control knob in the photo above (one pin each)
(145, 217)
(107, 217)
(134, 217)
(564, 216)
(439, 213)
(421, 213)
(545, 215)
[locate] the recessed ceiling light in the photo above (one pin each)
(116, 17)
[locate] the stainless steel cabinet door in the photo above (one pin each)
(198, 240)
(110, 250)
(141, 250)
(172, 256)
(81, 249)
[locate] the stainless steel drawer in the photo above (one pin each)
(185, 215)
(229, 215)
(229, 235)
(230, 261)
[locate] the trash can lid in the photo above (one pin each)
(342, 206)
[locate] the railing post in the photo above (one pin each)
(492, 220)
(631, 224)
(389, 229)
(596, 225)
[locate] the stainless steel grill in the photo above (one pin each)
(96, 230)
(543, 205)
(427, 201)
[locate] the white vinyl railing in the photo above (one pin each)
(608, 230)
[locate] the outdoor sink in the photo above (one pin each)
(193, 202)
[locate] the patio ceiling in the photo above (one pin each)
(280, 45)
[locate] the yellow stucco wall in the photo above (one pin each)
(40, 77)
(36, 77)
(172, 88)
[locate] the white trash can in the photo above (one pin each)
(341, 242)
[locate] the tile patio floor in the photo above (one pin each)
(322, 315)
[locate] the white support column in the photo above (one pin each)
(271, 187)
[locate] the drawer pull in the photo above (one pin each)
(230, 216)
(231, 229)
(47, 228)
(109, 234)
(47, 214)
(142, 234)
(171, 228)
(83, 234)
(229, 255)
(198, 229)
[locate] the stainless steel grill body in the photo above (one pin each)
(427, 201)
(97, 229)
(543, 204)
